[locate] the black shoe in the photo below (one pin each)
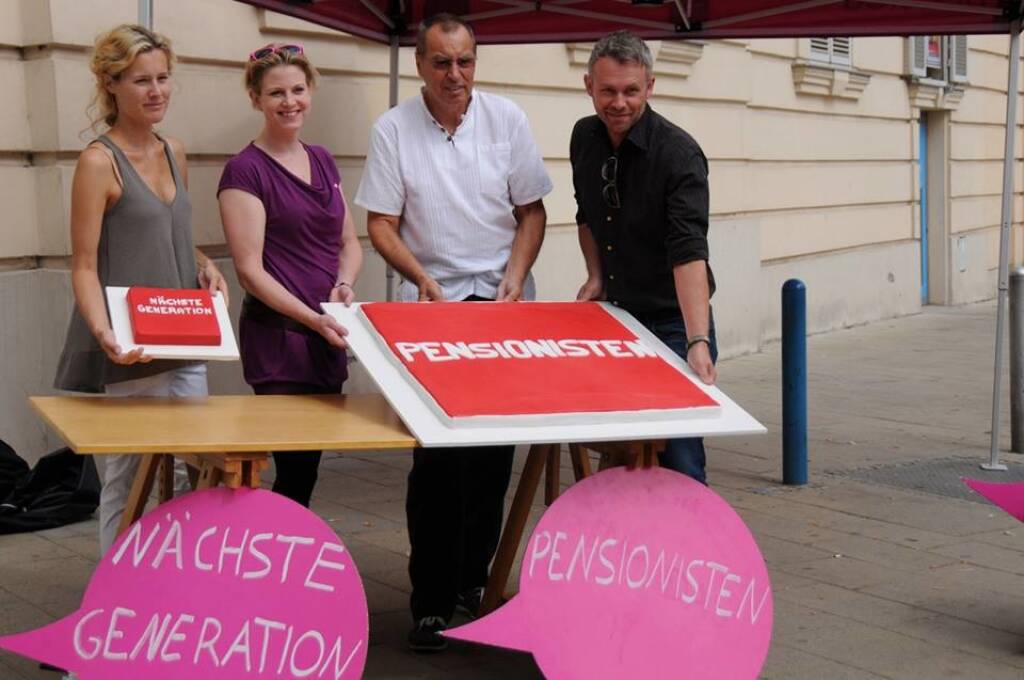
(468, 602)
(426, 635)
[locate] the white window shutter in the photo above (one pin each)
(917, 46)
(820, 49)
(958, 58)
(842, 51)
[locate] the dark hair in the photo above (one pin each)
(448, 22)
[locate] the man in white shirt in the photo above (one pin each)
(453, 187)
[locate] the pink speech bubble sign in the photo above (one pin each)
(215, 584)
(638, 574)
(1009, 497)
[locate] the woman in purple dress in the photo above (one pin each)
(294, 246)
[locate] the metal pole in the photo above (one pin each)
(1004, 241)
(389, 273)
(794, 382)
(1017, 360)
(393, 71)
(146, 13)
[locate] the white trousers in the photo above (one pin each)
(119, 470)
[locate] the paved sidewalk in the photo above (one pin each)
(873, 577)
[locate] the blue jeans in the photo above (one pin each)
(681, 455)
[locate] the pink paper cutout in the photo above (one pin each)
(664, 613)
(292, 591)
(1009, 497)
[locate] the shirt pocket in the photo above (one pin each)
(495, 164)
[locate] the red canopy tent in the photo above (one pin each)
(528, 21)
(523, 21)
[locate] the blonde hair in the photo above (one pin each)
(113, 53)
(255, 69)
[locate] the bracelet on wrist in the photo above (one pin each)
(339, 284)
(694, 339)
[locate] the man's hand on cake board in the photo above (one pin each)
(592, 289)
(694, 295)
(699, 359)
(510, 289)
(109, 345)
(430, 291)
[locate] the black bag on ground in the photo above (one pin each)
(62, 488)
(12, 469)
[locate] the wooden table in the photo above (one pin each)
(228, 439)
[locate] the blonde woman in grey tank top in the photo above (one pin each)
(130, 225)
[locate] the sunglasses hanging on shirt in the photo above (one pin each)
(610, 191)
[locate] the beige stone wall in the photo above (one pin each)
(814, 171)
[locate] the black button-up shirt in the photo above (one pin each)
(662, 221)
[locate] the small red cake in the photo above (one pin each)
(170, 316)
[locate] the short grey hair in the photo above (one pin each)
(448, 22)
(624, 47)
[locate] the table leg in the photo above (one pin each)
(209, 476)
(233, 470)
(514, 525)
(251, 470)
(650, 454)
(552, 483)
(193, 476)
(635, 455)
(142, 485)
(166, 488)
(232, 474)
(610, 460)
(580, 461)
(259, 467)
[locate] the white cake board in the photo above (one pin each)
(431, 431)
(117, 304)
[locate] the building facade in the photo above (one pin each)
(870, 168)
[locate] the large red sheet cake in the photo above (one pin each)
(482, 360)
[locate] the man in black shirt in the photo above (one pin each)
(642, 197)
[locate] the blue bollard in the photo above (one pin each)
(794, 382)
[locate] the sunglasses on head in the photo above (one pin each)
(272, 48)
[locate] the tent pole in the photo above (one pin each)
(1004, 240)
(389, 273)
(393, 74)
(146, 14)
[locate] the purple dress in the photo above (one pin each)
(301, 246)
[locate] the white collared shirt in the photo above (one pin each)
(455, 193)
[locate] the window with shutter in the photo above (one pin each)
(939, 58)
(917, 47)
(831, 50)
(933, 51)
(820, 49)
(936, 65)
(826, 69)
(841, 49)
(958, 58)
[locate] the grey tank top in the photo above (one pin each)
(143, 242)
